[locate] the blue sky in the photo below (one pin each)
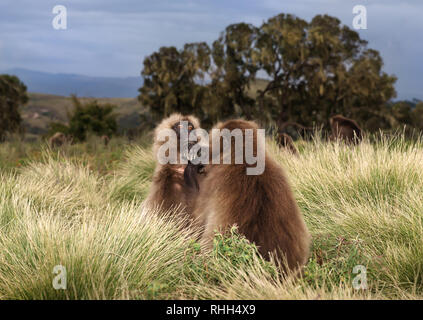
(111, 38)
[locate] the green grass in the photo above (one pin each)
(81, 207)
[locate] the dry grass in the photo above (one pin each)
(363, 206)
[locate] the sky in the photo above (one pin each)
(111, 38)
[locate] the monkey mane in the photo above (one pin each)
(236, 124)
(341, 120)
(232, 125)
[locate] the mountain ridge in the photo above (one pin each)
(65, 84)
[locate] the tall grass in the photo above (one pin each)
(363, 206)
(16, 153)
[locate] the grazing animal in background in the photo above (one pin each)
(168, 189)
(57, 140)
(285, 141)
(262, 206)
(295, 130)
(345, 129)
(105, 139)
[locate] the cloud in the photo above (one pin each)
(111, 38)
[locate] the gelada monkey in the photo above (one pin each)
(168, 187)
(345, 129)
(262, 206)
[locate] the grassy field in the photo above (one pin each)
(81, 207)
(45, 108)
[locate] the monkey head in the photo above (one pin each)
(194, 171)
(345, 129)
(182, 126)
(231, 125)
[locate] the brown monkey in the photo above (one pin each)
(285, 141)
(168, 188)
(262, 206)
(296, 130)
(345, 129)
(57, 140)
(105, 139)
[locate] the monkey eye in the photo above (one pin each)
(190, 127)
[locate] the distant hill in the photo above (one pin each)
(86, 86)
(42, 109)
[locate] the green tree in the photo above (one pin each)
(232, 73)
(12, 96)
(282, 54)
(171, 80)
(318, 69)
(402, 113)
(417, 116)
(91, 117)
(210, 83)
(314, 70)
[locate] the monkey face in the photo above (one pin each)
(179, 128)
(182, 125)
(176, 127)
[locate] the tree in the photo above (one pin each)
(170, 80)
(402, 113)
(314, 70)
(417, 115)
(210, 83)
(319, 69)
(281, 53)
(91, 117)
(12, 96)
(233, 71)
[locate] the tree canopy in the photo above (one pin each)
(12, 96)
(312, 70)
(91, 117)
